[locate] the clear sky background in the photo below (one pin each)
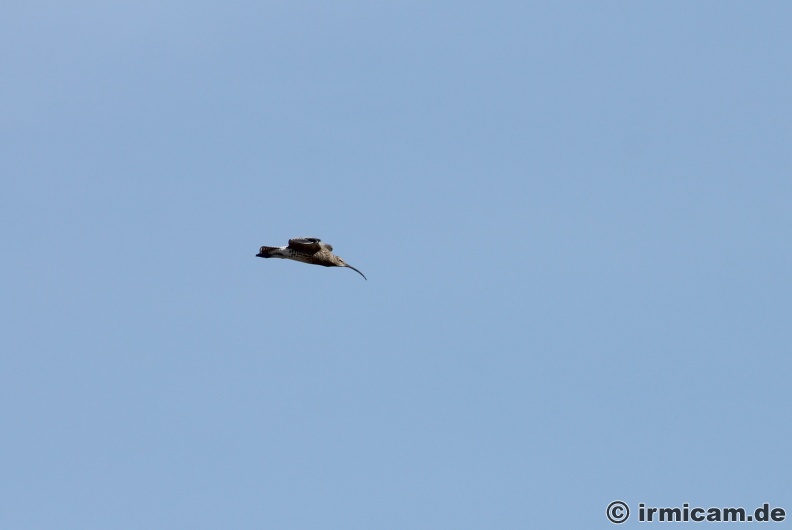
(574, 217)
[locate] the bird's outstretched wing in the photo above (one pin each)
(308, 245)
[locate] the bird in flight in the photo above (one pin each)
(308, 250)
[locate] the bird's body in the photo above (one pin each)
(307, 250)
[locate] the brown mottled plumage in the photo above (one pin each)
(307, 250)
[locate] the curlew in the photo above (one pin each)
(307, 250)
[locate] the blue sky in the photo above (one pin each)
(574, 218)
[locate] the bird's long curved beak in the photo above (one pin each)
(357, 271)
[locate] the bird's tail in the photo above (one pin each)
(266, 252)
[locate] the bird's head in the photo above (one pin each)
(342, 263)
